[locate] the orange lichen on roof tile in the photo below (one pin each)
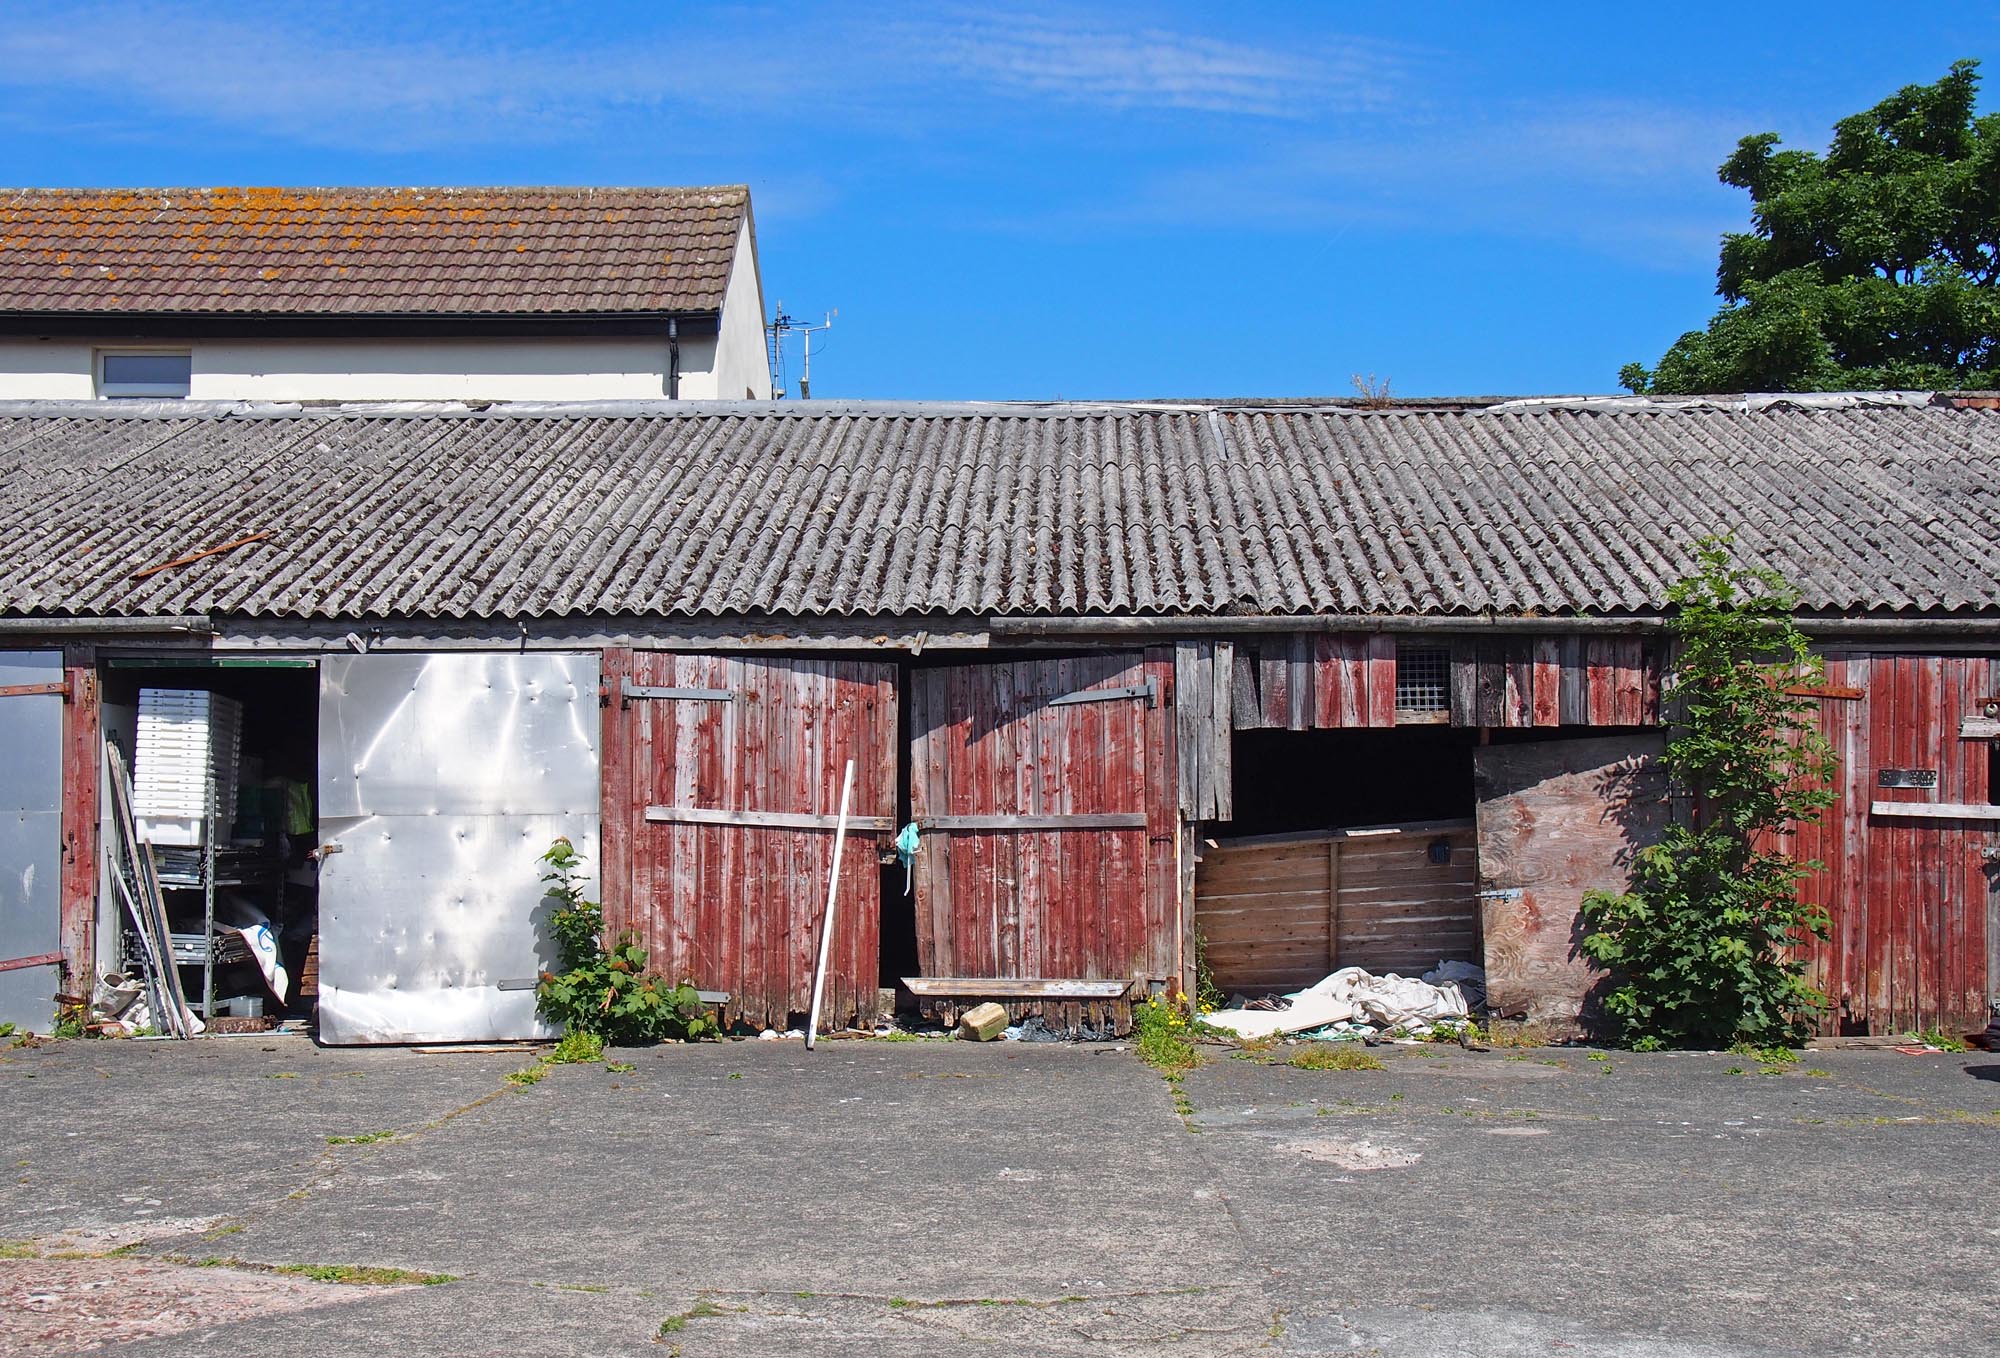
(411, 251)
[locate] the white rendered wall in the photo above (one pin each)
(431, 370)
(697, 368)
(45, 370)
(528, 369)
(742, 364)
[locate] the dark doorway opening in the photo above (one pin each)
(168, 718)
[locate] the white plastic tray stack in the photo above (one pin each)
(189, 740)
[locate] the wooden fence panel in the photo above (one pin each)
(1277, 913)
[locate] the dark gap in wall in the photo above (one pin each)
(279, 744)
(1314, 780)
(899, 910)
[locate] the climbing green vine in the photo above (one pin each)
(1703, 948)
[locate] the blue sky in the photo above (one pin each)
(1173, 199)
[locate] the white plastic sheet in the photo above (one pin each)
(1354, 995)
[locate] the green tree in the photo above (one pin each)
(1702, 948)
(1876, 265)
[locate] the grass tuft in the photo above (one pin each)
(1335, 1056)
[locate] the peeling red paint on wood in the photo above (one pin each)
(1910, 900)
(82, 725)
(1335, 681)
(1042, 901)
(739, 907)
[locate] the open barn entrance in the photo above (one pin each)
(223, 757)
(1346, 848)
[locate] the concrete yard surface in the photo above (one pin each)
(252, 1196)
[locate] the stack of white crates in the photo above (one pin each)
(189, 744)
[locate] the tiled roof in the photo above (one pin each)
(333, 252)
(812, 510)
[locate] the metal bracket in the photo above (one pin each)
(1148, 690)
(627, 691)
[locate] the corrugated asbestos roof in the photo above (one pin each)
(814, 510)
(306, 252)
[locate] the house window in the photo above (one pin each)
(150, 374)
(1422, 679)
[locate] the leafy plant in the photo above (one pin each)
(1702, 949)
(1208, 996)
(606, 990)
(1875, 265)
(1165, 1040)
(1939, 1038)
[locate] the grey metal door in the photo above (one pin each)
(30, 836)
(442, 778)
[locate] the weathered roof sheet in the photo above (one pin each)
(337, 252)
(812, 510)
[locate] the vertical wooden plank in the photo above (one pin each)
(1170, 904)
(1336, 704)
(1492, 709)
(1380, 708)
(616, 809)
(1006, 755)
(1885, 696)
(1246, 703)
(1464, 681)
(1855, 840)
(1187, 714)
(1925, 924)
(1219, 780)
(1518, 709)
(1573, 696)
(926, 777)
(1597, 676)
(82, 739)
(1652, 679)
(1274, 671)
(1202, 728)
(1301, 686)
(1545, 681)
(1628, 682)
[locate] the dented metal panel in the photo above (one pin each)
(30, 835)
(442, 779)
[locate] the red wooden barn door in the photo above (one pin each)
(1910, 894)
(1045, 793)
(727, 793)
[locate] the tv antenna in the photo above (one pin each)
(782, 325)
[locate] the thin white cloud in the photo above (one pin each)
(1156, 68)
(372, 78)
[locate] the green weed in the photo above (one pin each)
(1335, 1056)
(576, 1048)
(1939, 1038)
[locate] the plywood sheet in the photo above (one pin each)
(1556, 819)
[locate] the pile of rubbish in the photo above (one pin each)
(1353, 1002)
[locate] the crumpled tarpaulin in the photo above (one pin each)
(1354, 994)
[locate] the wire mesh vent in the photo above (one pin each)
(1422, 678)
